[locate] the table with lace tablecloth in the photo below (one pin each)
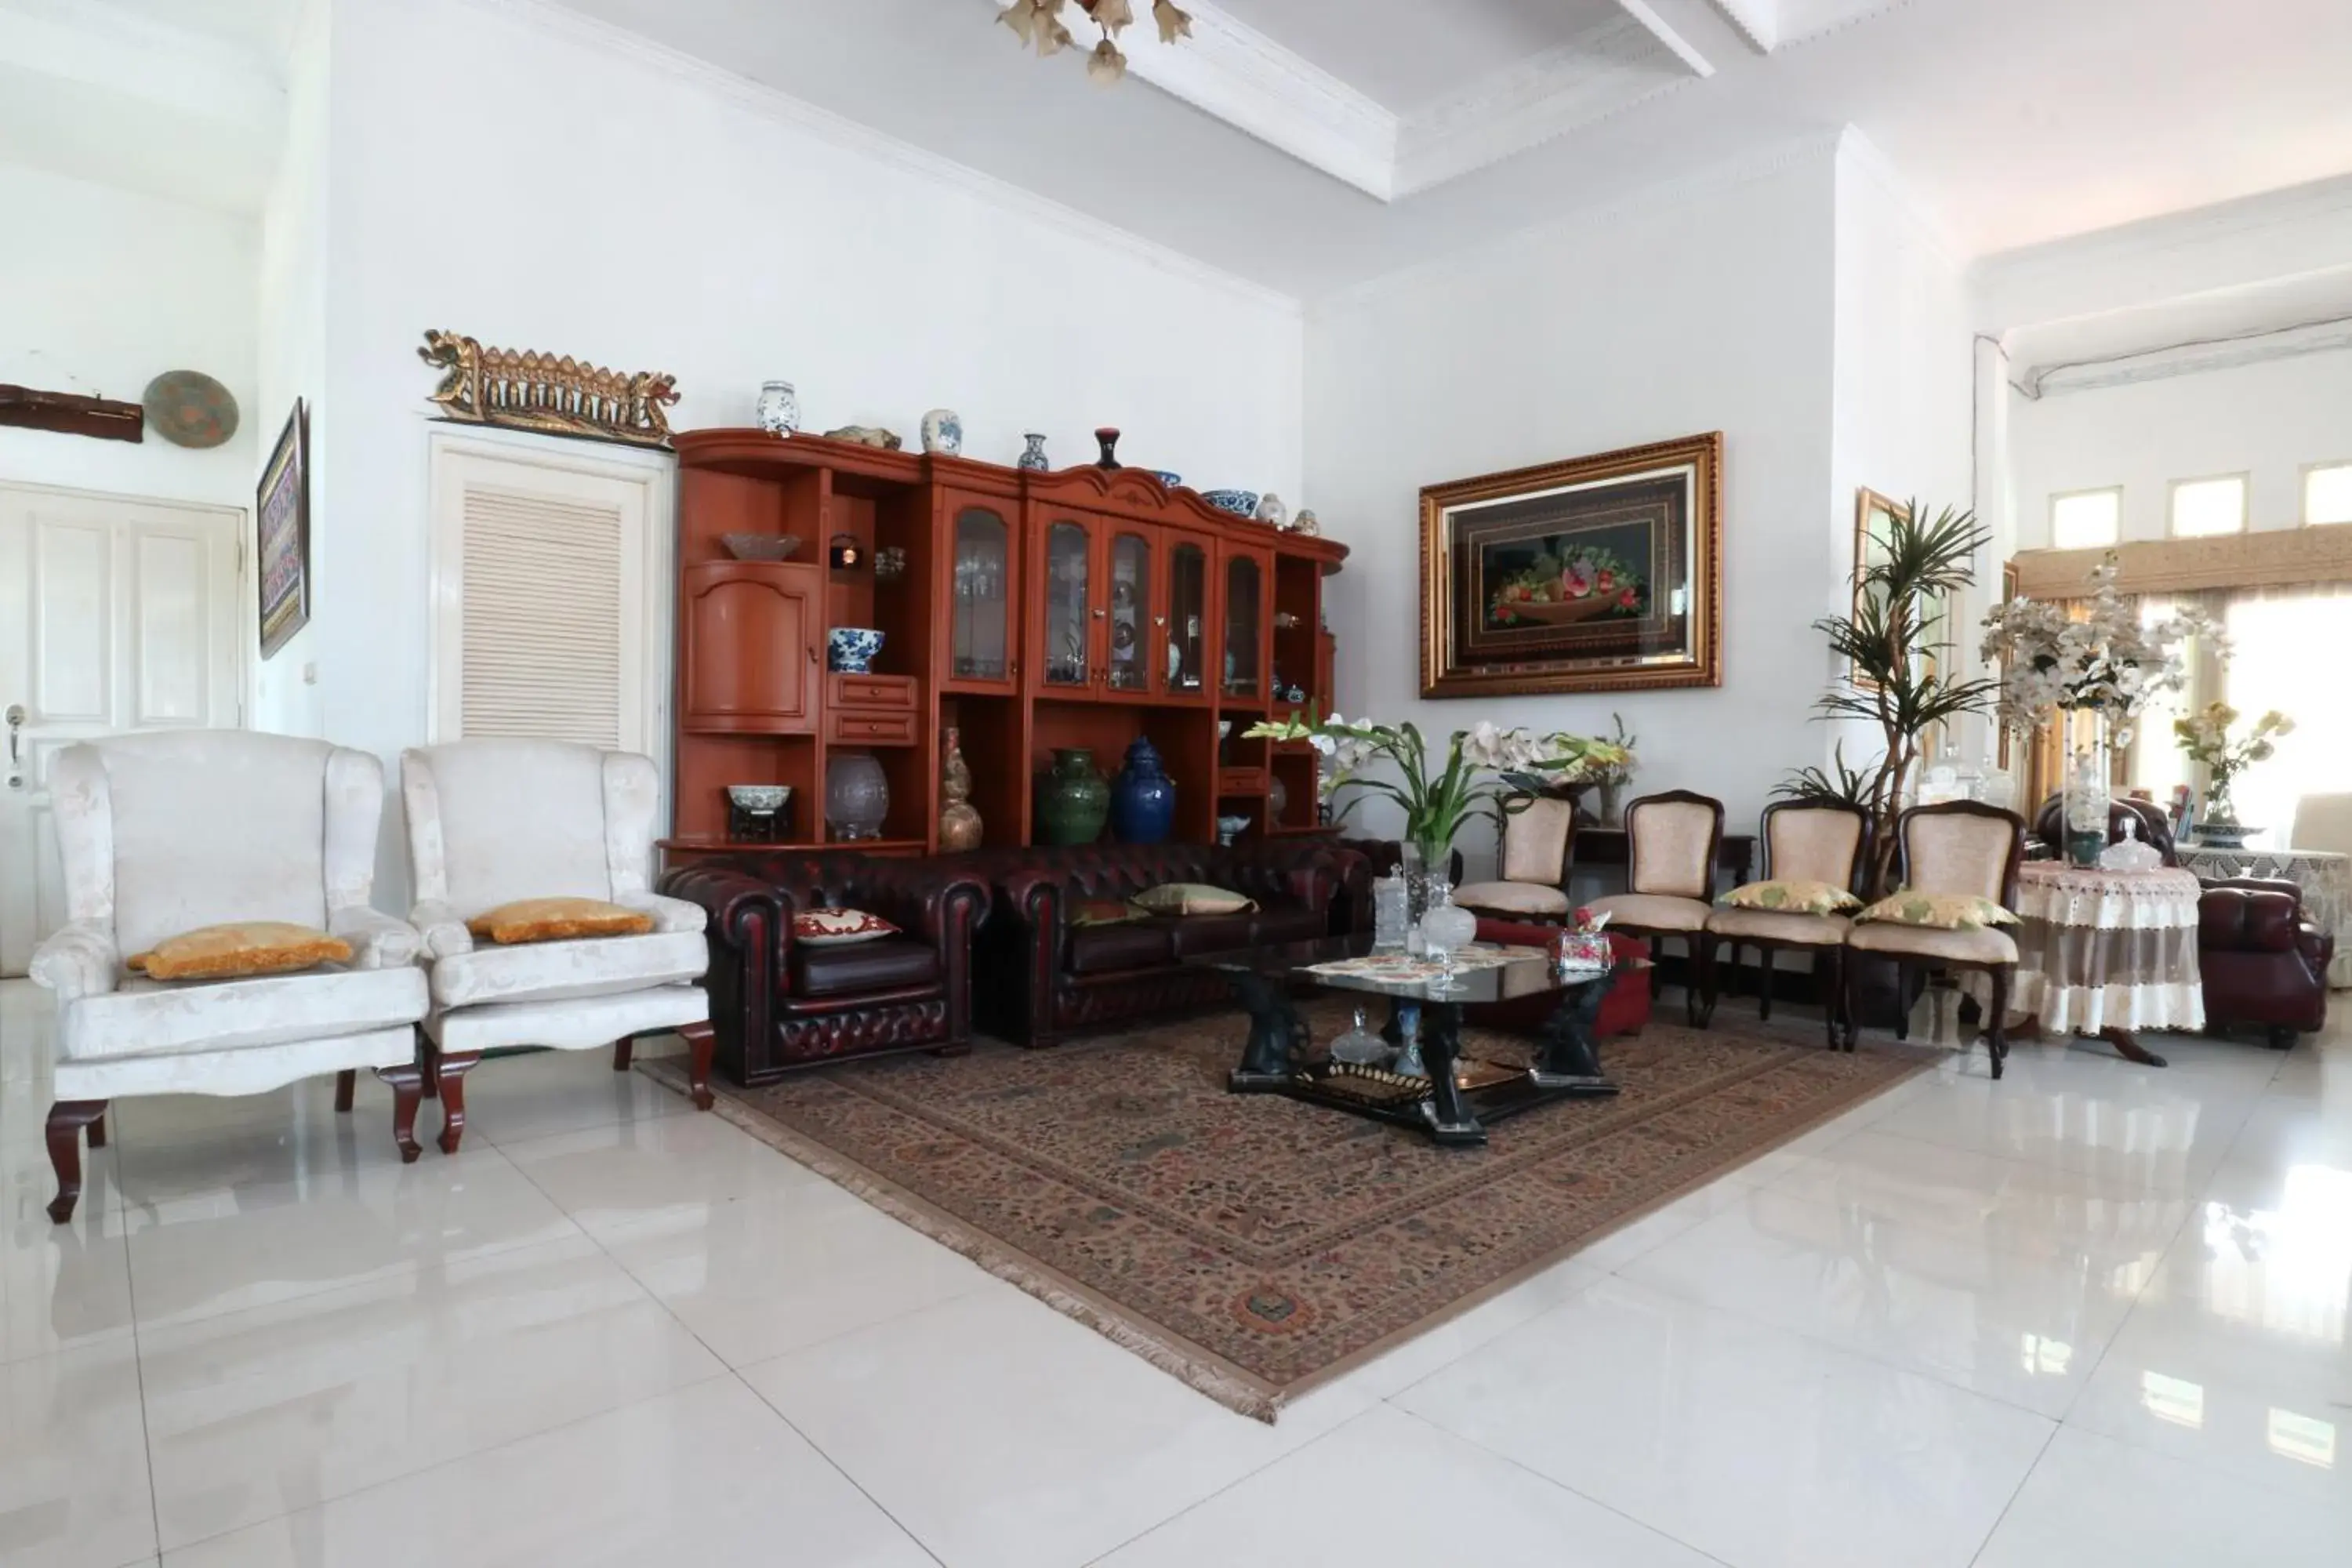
(2323, 874)
(2108, 952)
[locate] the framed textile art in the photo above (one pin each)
(281, 525)
(1601, 574)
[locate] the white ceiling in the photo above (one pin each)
(1309, 144)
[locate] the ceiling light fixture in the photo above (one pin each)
(1038, 23)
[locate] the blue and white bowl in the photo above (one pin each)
(1241, 503)
(1166, 476)
(850, 650)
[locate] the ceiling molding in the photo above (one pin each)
(1254, 84)
(2187, 359)
(1759, 21)
(190, 73)
(550, 16)
(1246, 80)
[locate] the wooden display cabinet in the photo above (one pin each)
(1034, 611)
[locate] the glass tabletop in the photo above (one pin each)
(1529, 976)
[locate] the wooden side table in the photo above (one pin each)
(2108, 952)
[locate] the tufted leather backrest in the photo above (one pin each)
(2246, 919)
(2155, 827)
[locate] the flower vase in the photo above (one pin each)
(2090, 753)
(1423, 863)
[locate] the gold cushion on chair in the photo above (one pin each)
(239, 951)
(1976, 945)
(557, 920)
(1791, 896)
(1942, 911)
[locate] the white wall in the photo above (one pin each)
(2267, 419)
(291, 350)
(1706, 307)
(613, 203)
(1903, 400)
(100, 291)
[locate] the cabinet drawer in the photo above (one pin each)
(1242, 781)
(859, 729)
(895, 691)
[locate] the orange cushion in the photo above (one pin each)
(554, 920)
(238, 949)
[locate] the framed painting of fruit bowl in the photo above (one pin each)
(1601, 574)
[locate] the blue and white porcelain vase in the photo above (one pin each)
(779, 408)
(1143, 797)
(943, 431)
(1032, 455)
(850, 650)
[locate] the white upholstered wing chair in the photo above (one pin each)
(492, 821)
(165, 832)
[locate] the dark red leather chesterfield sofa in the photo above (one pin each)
(776, 1005)
(2264, 965)
(1040, 977)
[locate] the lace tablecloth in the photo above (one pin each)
(2107, 950)
(2325, 876)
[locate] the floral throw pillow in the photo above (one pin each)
(1939, 911)
(823, 928)
(1792, 896)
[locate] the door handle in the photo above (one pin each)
(16, 717)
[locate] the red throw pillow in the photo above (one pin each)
(822, 928)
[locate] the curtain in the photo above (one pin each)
(2284, 656)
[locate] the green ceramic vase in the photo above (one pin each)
(1075, 802)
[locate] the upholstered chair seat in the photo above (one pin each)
(1804, 842)
(1653, 912)
(164, 832)
(1672, 841)
(1534, 883)
(494, 821)
(1959, 848)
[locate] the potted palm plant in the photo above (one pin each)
(1901, 681)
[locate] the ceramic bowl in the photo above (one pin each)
(1167, 476)
(1241, 503)
(760, 800)
(850, 650)
(761, 546)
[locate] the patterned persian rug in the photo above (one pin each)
(1256, 1246)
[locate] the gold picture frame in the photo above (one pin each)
(1599, 573)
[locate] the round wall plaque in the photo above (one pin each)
(189, 408)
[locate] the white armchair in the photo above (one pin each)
(162, 833)
(496, 820)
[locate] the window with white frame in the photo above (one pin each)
(2202, 508)
(2086, 519)
(2327, 492)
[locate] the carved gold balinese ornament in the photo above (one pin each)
(1038, 24)
(525, 390)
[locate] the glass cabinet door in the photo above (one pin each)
(1067, 595)
(1245, 612)
(980, 635)
(1129, 654)
(1187, 617)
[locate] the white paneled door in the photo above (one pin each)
(114, 615)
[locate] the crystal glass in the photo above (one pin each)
(1067, 595)
(1188, 609)
(1360, 1046)
(1408, 1056)
(1131, 613)
(2089, 769)
(1388, 911)
(1445, 930)
(981, 617)
(856, 796)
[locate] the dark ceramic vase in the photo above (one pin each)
(1143, 797)
(1071, 805)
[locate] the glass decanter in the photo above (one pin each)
(1359, 1047)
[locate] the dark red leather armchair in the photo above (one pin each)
(2264, 965)
(776, 1003)
(1040, 978)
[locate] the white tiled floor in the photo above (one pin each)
(2092, 1314)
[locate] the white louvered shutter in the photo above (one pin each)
(541, 582)
(541, 654)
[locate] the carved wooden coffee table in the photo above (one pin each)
(1453, 1104)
